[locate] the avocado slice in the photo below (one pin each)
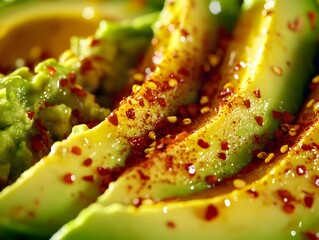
(78, 168)
(279, 201)
(282, 204)
(41, 108)
(268, 63)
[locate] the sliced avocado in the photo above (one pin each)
(279, 201)
(283, 204)
(51, 101)
(27, 26)
(268, 63)
(77, 169)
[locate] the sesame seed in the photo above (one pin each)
(172, 119)
(310, 103)
(187, 121)
(136, 88)
(152, 135)
(204, 100)
(315, 79)
(239, 183)
(262, 155)
(204, 110)
(149, 150)
(269, 157)
(138, 77)
(172, 82)
(292, 132)
(277, 70)
(152, 85)
(284, 148)
(316, 107)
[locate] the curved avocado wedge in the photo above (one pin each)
(279, 201)
(72, 176)
(40, 105)
(266, 69)
(282, 204)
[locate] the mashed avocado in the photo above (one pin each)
(38, 109)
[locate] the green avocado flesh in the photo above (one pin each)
(174, 119)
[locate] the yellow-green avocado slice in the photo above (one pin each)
(268, 63)
(68, 179)
(282, 204)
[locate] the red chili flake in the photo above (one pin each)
(52, 70)
(202, 143)
(253, 192)
(279, 134)
(308, 201)
(184, 72)
(49, 104)
(311, 236)
(224, 146)
(95, 42)
(88, 178)
(257, 93)
(76, 150)
(36, 143)
(102, 171)
(141, 102)
(276, 114)
(247, 103)
(92, 123)
(87, 162)
(162, 102)
(301, 170)
(312, 17)
(30, 115)
(317, 181)
(77, 114)
(285, 195)
(80, 92)
(72, 77)
(113, 119)
(142, 175)
(287, 117)
(222, 156)
(295, 25)
(288, 208)
(211, 212)
(170, 224)
(86, 65)
(211, 179)
(150, 94)
(130, 113)
(69, 178)
(63, 82)
(259, 120)
(184, 32)
(306, 147)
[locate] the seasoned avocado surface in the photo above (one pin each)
(212, 132)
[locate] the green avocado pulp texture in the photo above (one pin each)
(37, 110)
(180, 157)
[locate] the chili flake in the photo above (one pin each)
(76, 150)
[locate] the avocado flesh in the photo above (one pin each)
(281, 204)
(278, 63)
(61, 199)
(117, 43)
